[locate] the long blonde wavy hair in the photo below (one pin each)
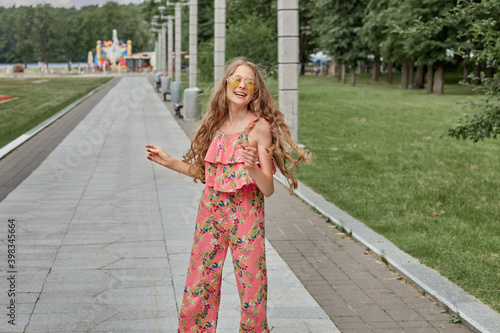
(262, 105)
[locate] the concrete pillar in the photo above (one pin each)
(157, 50)
(193, 43)
(158, 53)
(192, 107)
(178, 18)
(164, 48)
(288, 63)
(176, 86)
(219, 39)
(170, 48)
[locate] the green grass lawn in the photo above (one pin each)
(37, 102)
(379, 155)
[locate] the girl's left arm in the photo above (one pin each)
(260, 140)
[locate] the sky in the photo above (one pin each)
(63, 3)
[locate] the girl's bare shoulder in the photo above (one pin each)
(262, 126)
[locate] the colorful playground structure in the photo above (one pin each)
(112, 54)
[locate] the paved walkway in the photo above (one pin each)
(103, 236)
(103, 239)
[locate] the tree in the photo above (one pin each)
(430, 49)
(252, 32)
(24, 34)
(373, 32)
(308, 36)
(480, 33)
(43, 27)
(71, 22)
(7, 37)
(338, 25)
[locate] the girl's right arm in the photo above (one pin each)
(158, 155)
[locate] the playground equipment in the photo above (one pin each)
(112, 53)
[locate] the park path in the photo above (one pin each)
(103, 236)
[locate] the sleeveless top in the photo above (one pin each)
(224, 169)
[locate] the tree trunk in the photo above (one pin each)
(438, 80)
(404, 75)
(466, 74)
(363, 67)
(491, 72)
(477, 74)
(419, 77)
(303, 43)
(389, 72)
(438, 87)
(376, 70)
(342, 73)
(430, 82)
(411, 74)
(333, 70)
(353, 76)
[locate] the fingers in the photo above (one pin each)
(250, 156)
(249, 153)
(153, 152)
(153, 149)
(250, 149)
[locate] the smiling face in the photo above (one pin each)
(240, 96)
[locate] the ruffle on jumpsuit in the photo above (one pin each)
(224, 170)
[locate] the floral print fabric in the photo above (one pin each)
(225, 221)
(230, 216)
(224, 169)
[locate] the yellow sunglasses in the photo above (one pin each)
(234, 81)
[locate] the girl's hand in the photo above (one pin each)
(158, 155)
(250, 155)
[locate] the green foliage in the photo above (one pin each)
(255, 39)
(478, 30)
(47, 33)
(455, 318)
(8, 52)
(25, 39)
(387, 24)
(375, 26)
(429, 49)
(308, 36)
(485, 122)
(252, 32)
(43, 28)
(338, 25)
(206, 60)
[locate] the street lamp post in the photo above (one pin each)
(192, 107)
(157, 75)
(176, 86)
(165, 55)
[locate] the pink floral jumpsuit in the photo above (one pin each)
(230, 215)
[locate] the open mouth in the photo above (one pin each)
(239, 93)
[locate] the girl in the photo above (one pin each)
(242, 138)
